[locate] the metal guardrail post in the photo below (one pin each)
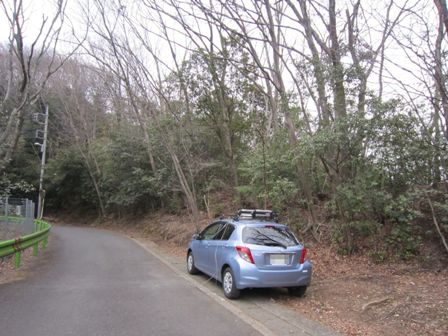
(36, 246)
(18, 259)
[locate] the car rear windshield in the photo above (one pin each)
(269, 235)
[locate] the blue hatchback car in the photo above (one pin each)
(250, 251)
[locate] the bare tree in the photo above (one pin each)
(424, 48)
(81, 116)
(113, 58)
(441, 95)
(29, 68)
(211, 44)
(148, 97)
(443, 13)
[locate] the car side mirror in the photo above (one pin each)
(197, 236)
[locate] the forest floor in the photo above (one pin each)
(350, 294)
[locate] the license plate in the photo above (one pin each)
(279, 259)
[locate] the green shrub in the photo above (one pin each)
(270, 173)
(403, 239)
(348, 235)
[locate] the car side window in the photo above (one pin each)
(227, 231)
(211, 231)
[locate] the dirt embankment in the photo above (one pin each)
(350, 294)
(358, 297)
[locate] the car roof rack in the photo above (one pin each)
(256, 214)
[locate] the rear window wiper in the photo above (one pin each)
(286, 233)
(268, 239)
(263, 241)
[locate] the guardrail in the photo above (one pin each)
(18, 245)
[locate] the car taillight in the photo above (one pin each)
(245, 253)
(303, 255)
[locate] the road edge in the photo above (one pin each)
(257, 325)
(274, 317)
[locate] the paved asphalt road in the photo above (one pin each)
(93, 283)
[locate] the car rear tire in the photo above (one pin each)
(297, 291)
(228, 284)
(191, 268)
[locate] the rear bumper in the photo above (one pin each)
(249, 276)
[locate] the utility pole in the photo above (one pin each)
(43, 149)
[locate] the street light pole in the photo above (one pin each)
(43, 149)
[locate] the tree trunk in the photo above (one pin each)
(191, 198)
(322, 99)
(278, 82)
(439, 78)
(338, 69)
(101, 208)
